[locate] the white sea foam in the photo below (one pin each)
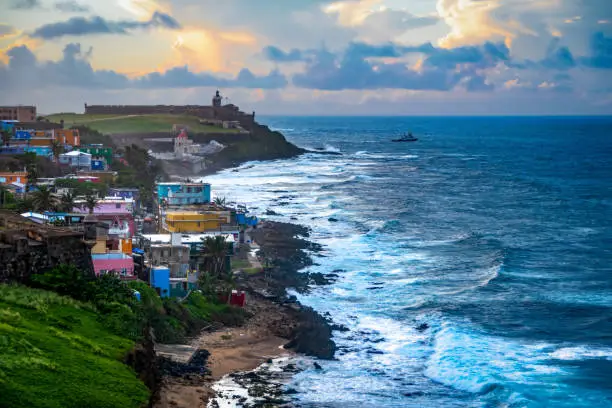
(581, 353)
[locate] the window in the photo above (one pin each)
(117, 205)
(123, 271)
(103, 271)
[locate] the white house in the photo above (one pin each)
(76, 158)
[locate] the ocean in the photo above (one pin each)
(475, 264)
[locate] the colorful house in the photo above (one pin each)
(159, 278)
(44, 134)
(195, 221)
(13, 177)
(119, 264)
(99, 152)
(116, 212)
(76, 159)
(183, 193)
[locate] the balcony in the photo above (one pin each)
(121, 232)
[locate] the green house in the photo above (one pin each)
(99, 151)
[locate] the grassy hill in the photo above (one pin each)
(113, 124)
(55, 353)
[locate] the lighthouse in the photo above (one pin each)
(217, 99)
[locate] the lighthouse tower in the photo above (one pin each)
(217, 99)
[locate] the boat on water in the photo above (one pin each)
(406, 138)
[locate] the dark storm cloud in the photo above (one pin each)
(25, 4)
(71, 6)
(81, 26)
(74, 70)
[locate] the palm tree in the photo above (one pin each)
(32, 175)
(43, 199)
(220, 201)
(67, 202)
(215, 249)
(56, 148)
(6, 137)
(91, 203)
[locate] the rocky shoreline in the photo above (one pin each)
(278, 326)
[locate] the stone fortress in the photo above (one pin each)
(215, 112)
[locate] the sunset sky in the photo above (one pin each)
(396, 57)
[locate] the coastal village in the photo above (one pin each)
(158, 239)
(101, 220)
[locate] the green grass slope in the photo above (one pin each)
(114, 124)
(55, 353)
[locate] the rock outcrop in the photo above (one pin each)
(28, 248)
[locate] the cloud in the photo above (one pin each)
(558, 57)
(352, 71)
(182, 77)
(7, 31)
(388, 50)
(80, 26)
(74, 70)
(601, 52)
(71, 6)
(484, 56)
(360, 66)
(275, 54)
(25, 4)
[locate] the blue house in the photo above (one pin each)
(160, 280)
(183, 193)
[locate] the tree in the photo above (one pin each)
(220, 201)
(67, 202)
(215, 249)
(6, 137)
(43, 199)
(56, 148)
(32, 175)
(91, 203)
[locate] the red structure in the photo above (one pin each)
(238, 298)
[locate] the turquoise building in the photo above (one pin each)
(183, 193)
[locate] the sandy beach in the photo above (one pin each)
(232, 349)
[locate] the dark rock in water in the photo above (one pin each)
(271, 212)
(317, 366)
(313, 335)
(374, 351)
(294, 218)
(338, 271)
(291, 391)
(319, 279)
(332, 219)
(374, 288)
(283, 203)
(422, 327)
(339, 327)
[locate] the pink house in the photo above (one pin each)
(117, 213)
(121, 265)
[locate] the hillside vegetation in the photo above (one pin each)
(113, 124)
(65, 340)
(56, 353)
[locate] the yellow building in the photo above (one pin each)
(195, 222)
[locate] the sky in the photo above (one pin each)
(311, 57)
